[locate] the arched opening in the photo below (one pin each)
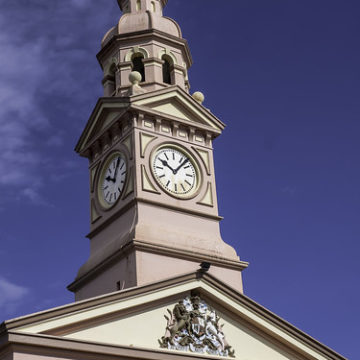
(138, 65)
(153, 6)
(138, 5)
(166, 69)
(109, 80)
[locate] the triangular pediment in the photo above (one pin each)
(177, 103)
(171, 103)
(216, 318)
(106, 112)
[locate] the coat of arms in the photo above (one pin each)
(194, 326)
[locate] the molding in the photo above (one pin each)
(144, 36)
(127, 142)
(94, 214)
(136, 50)
(57, 347)
(169, 54)
(208, 199)
(205, 157)
(67, 329)
(188, 255)
(146, 184)
(138, 245)
(93, 172)
(142, 109)
(129, 184)
(96, 301)
(145, 140)
(184, 210)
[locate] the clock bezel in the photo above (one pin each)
(104, 164)
(194, 162)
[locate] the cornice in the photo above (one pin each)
(98, 301)
(140, 245)
(145, 34)
(56, 346)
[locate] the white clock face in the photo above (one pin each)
(175, 172)
(112, 179)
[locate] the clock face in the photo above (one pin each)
(175, 171)
(112, 179)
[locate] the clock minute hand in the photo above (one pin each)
(181, 165)
(117, 168)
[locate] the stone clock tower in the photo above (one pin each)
(153, 202)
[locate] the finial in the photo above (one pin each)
(135, 79)
(132, 6)
(199, 97)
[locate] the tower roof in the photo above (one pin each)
(140, 15)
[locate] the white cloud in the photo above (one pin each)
(40, 88)
(11, 295)
(21, 72)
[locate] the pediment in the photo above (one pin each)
(172, 103)
(104, 114)
(216, 318)
(175, 102)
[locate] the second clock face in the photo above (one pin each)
(112, 179)
(175, 171)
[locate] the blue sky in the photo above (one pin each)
(282, 74)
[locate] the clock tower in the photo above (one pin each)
(149, 143)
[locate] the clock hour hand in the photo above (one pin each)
(164, 162)
(109, 178)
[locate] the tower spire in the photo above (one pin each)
(147, 42)
(134, 6)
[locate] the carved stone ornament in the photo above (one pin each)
(194, 326)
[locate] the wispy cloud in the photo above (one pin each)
(21, 72)
(43, 75)
(38, 84)
(11, 295)
(291, 190)
(34, 196)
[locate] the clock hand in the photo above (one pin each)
(164, 162)
(180, 166)
(117, 168)
(109, 178)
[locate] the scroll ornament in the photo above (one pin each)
(194, 326)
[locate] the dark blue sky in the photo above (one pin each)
(282, 74)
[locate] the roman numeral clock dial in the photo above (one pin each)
(112, 180)
(175, 171)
